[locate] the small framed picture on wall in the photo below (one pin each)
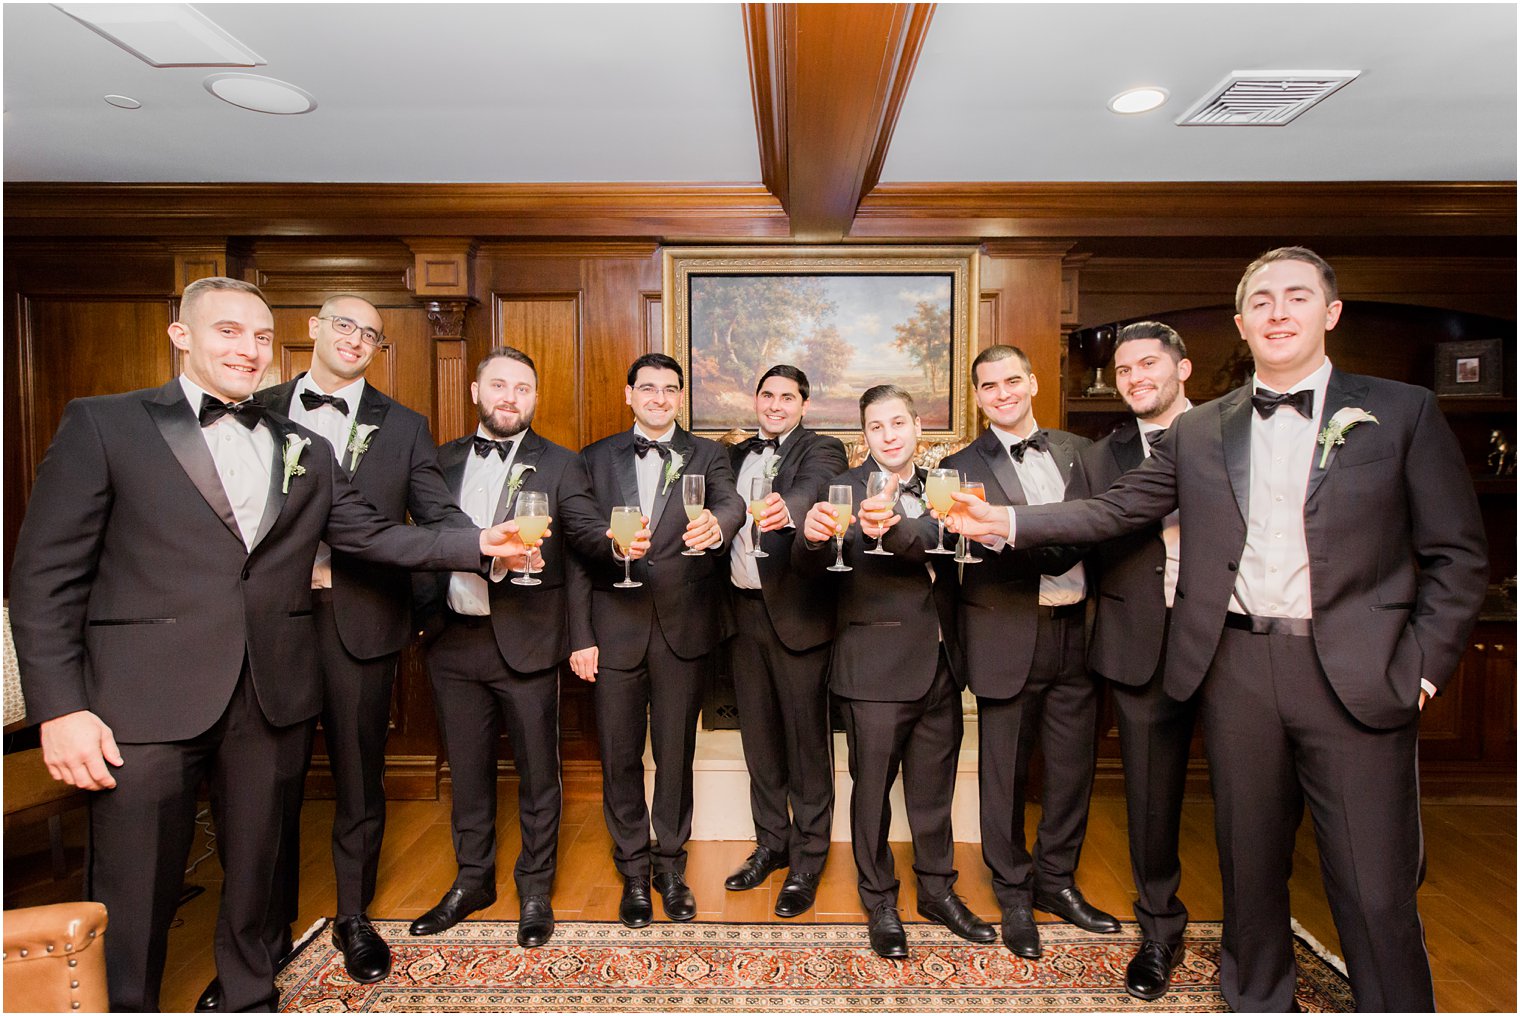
(1470, 368)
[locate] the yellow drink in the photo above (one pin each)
(938, 490)
(625, 526)
(531, 527)
(692, 511)
(842, 517)
(757, 509)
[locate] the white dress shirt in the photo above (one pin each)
(335, 427)
(744, 569)
(484, 478)
(650, 469)
(244, 459)
(1041, 479)
(1171, 526)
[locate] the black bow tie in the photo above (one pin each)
(484, 446)
(758, 444)
(642, 446)
(248, 412)
(1267, 403)
(1039, 441)
(315, 400)
(914, 486)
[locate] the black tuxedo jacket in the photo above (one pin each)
(398, 474)
(532, 623)
(1397, 552)
(684, 595)
(999, 597)
(133, 594)
(801, 610)
(889, 614)
(1129, 573)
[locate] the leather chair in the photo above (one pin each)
(54, 959)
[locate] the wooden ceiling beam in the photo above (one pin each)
(828, 82)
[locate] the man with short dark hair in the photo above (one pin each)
(648, 649)
(779, 655)
(1332, 564)
(1136, 579)
(1022, 618)
(163, 613)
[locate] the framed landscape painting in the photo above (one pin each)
(850, 317)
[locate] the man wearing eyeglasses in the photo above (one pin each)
(387, 452)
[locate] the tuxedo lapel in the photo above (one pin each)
(181, 429)
(281, 428)
(1001, 464)
(371, 413)
(1235, 434)
(278, 397)
(681, 443)
(1341, 392)
(1063, 455)
(1126, 448)
(791, 452)
(628, 477)
(528, 453)
(452, 459)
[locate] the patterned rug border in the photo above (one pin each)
(754, 966)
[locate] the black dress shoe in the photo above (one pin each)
(953, 913)
(1150, 972)
(797, 893)
(680, 904)
(1019, 932)
(888, 940)
(635, 910)
(366, 957)
(755, 870)
(535, 922)
(1069, 905)
(456, 905)
(211, 999)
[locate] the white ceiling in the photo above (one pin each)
(628, 92)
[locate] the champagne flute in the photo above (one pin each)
(532, 516)
(963, 553)
(941, 483)
(693, 494)
(841, 497)
(627, 520)
(759, 490)
(881, 484)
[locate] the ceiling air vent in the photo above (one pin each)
(1262, 98)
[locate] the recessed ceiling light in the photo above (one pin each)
(1138, 100)
(164, 35)
(261, 94)
(123, 102)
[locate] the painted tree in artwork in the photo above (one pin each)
(925, 338)
(742, 326)
(825, 358)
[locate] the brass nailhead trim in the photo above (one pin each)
(73, 963)
(23, 953)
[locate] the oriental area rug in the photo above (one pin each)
(597, 966)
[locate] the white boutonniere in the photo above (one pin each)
(1335, 431)
(359, 437)
(672, 469)
(773, 467)
(515, 479)
(295, 444)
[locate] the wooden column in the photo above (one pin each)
(443, 279)
(1022, 287)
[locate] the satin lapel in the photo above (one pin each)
(1127, 449)
(1342, 391)
(791, 452)
(680, 442)
(1235, 434)
(628, 478)
(278, 397)
(371, 412)
(452, 459)
(181, 429)
(1064, 456)
(1001, 465)
(281, 428)
(528, 454)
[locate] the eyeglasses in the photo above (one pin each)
(347, 326)
(650, 391)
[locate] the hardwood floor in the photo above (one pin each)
(1468, 900)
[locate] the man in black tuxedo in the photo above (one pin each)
(361, 612)
(894, 674)
(496, 648)
(1332, 563)
(1022, 621)
(163, 613)
(779, 655)
(649, 649)
(1136, 579)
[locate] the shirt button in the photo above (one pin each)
(1279, 497)
(1277, 536)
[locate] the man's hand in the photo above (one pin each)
(583, 664)
(76, 748)
(1424, 698)
(971, 516)
(877, 515)
(703, 531)
(775, 515)
(818, 527)
(641, 540)
(503, 542)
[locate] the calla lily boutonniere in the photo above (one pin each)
(295, 444)
(1335, 431)
(519, 473)
(359, 437)
(672, 469)
(773, 467)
